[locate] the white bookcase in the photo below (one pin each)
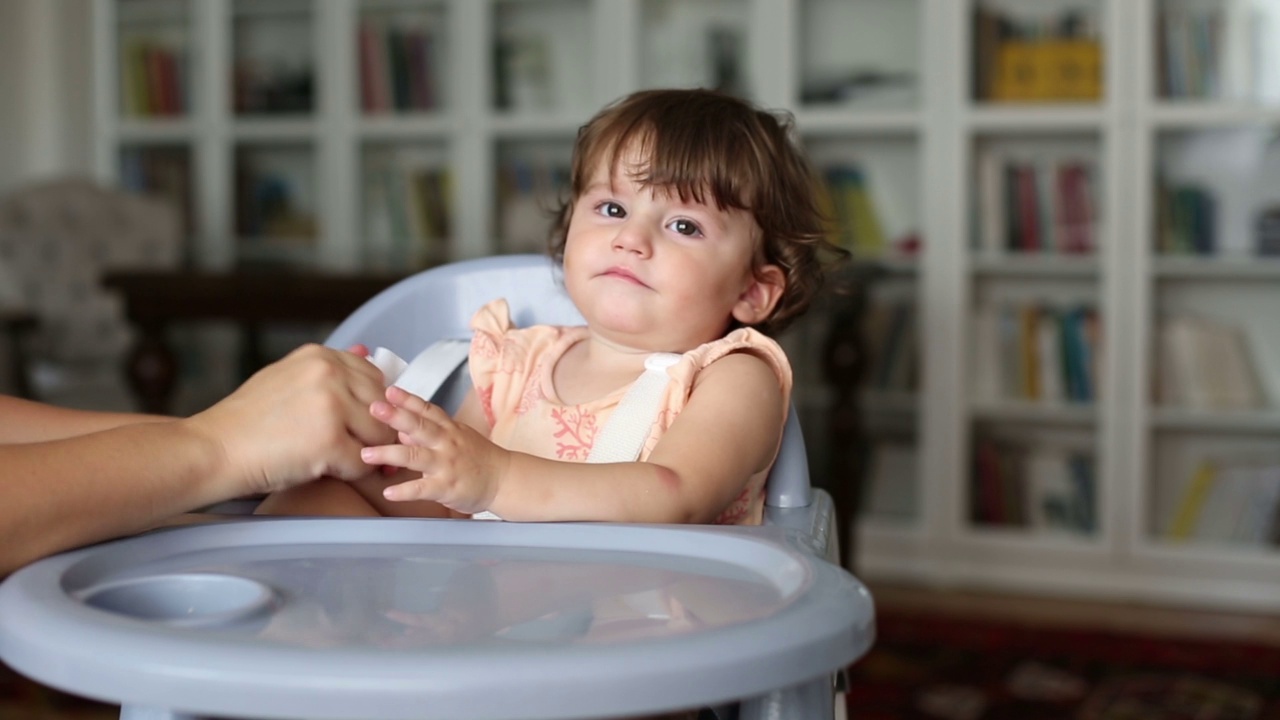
(467, 143)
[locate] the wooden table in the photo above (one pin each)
(16, 323)
(155, 299)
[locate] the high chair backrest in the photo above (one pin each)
(438, 304)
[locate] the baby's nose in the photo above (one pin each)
(633, 237)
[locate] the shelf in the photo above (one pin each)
(842, 121)
(1006, 411)
(1217, 268)
(1036, 119)
(282, 129)
(407, 126)
(1246, 421)
(271, 10)
(1209, 114)
(1037, 265)
(510, 125)
(152, 12)
(1213, 553)
(1028, 539)
(134, 130)
(889, 528)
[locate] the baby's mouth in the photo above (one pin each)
(621, 273)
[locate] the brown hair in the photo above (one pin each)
(699, 143)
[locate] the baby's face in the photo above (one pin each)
(653, 272)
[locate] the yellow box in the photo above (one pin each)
(1047, 70)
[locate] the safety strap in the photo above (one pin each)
(620, 440)
(623, 436)
(427, 372)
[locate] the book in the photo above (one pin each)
(987, 33)
(892, 370)
(1229, 500)
(1222, 513)
(1260, 491)
(1206, 365)
(857, 226)
(1010, 363)
(1042, 486)
(987, 504)
(1262, 523)
(372, 93)
(1034, 203)
(1191, 501)
(1029, 351)
(988, 360)
(991, 216)
(1036, 351)
(1050, 363)
(1051, 490)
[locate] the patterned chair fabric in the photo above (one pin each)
(57, 239)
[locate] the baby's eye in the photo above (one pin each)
(686, 227)
(608, 208)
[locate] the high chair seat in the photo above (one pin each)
(421, 619)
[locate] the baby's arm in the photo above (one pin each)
(727, 432)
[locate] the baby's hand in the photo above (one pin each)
(461, 469)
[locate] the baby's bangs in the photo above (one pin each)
(693, 164)
(692, 155)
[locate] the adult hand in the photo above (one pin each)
(301, 418)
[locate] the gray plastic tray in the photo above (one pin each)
(423, 619)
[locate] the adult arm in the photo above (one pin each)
(24, 421)
(301, 418)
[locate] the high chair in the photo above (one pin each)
(433, 310)
(420, 619)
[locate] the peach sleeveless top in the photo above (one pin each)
(511, 370)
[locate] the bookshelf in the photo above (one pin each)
(1131, 490)
(1006, 230)
(1206, 448)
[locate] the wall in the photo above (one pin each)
(45, 90)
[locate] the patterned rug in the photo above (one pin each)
(21, 699)
(939, 668)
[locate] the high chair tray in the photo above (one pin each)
(393, 618)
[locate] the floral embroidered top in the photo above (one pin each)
(511, 370)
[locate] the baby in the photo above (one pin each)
(692, 229)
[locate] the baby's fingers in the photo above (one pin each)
(400, 397)
(404, 456)
(420, 488)
(403, 398)
(413, 427)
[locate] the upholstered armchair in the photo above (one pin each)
(57, 238)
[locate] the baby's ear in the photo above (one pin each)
(761, 295)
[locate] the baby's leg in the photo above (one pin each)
(360, 498)
(325, 496)
(370, 489)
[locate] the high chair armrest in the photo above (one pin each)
(789, 485)
(815, 523)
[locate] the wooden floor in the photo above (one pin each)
(1121, 617)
